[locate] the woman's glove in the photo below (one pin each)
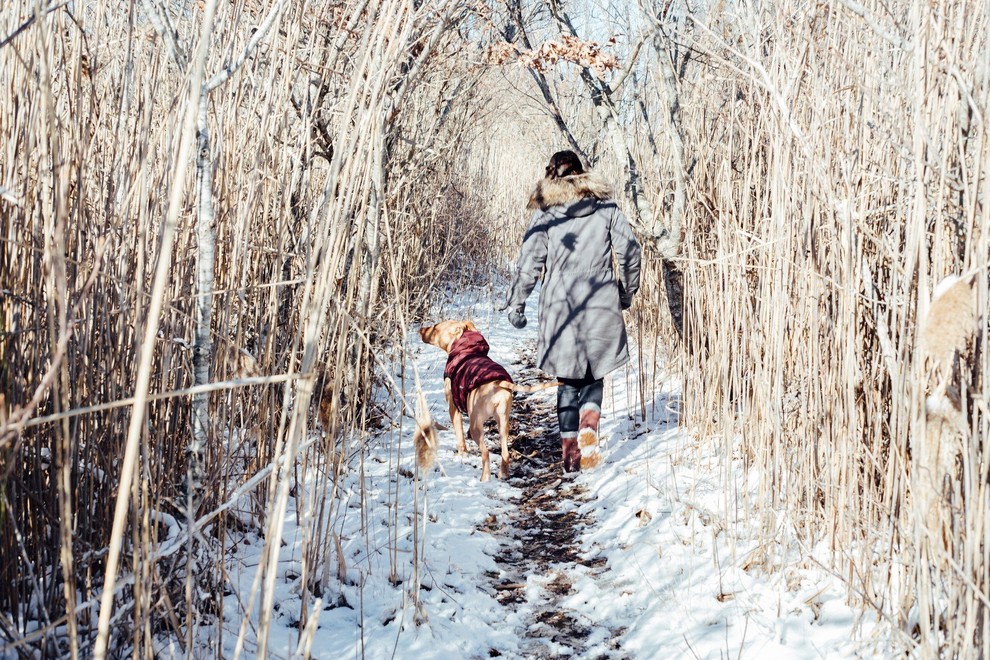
(625, 299)
(517, 317)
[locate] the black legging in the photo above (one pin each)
(571, 395)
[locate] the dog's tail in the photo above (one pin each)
(515, 387)
(425, 437)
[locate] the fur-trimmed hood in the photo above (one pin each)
(569, 189)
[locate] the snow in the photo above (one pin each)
(687, 572)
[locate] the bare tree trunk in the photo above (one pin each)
(203, 343)
(676, 135)
(672, 277)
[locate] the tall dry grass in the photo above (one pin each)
(834, 159)
(838, 156)
(213, 205)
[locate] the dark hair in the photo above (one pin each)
(564, 163)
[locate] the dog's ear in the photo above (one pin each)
(460, 328)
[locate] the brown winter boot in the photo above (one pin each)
(591, 455)
(571, 454)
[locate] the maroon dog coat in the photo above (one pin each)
(468, 366)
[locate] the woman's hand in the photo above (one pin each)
(625, 299)
(517, 317)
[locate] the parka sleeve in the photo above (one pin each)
(627, 252)
(532, 259)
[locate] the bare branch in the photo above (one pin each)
(161, 396)
(412, 74)
(259, 34)
(515, 11)
(26, 24)
(158, 18)
(877, 28)
(633, 56)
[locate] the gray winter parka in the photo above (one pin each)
(572, 235)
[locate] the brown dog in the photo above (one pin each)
(477, 385)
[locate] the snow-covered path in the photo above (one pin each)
(646, 564)
(540, 535)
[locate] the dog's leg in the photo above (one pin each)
(502, 409)
(476, 427)
(456, 419)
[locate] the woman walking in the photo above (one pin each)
(575, 229)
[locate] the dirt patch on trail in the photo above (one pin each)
(540, 536)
